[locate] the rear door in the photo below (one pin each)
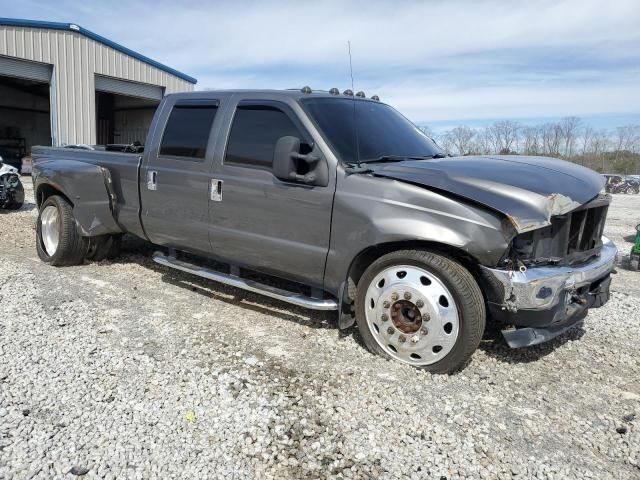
(258, 220)
(176, 175)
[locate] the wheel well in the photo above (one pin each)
(45, 191)
(371, 254)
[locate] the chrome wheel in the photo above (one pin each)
(50, 229)
(412, 315)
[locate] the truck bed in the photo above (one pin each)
(124, 170)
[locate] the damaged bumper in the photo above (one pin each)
(543, 302)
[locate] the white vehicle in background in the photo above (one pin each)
(11, 190)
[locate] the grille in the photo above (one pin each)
(572, 238)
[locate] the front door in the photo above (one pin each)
(259, 221)
(175, 179)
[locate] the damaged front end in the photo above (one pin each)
(551, 276)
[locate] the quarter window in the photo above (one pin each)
(254, 133)
(187, 131)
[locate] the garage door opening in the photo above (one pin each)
(123, 120)
(25, 119)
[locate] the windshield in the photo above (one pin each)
(381, 132)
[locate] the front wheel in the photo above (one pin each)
(420, 308)
(57, 240)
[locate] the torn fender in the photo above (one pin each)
(527, 190)
(89, 188)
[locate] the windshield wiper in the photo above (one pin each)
(400, 158)
(361, 167)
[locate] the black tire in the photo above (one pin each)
(461, 284)
(72, 247)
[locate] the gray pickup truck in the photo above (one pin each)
(338, 202)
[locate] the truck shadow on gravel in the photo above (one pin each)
(494, 345)
(138, 251)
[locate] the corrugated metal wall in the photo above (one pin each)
(76, 59)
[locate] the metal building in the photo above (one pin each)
(62, 84)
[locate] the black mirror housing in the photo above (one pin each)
(290, 165)
(284, 164)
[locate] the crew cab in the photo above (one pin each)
(339, 202)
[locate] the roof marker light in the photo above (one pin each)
(306, 89)
(334, 91)
(348, 92)
(376, 98)
(360, 94)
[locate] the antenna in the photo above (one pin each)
(353, 99)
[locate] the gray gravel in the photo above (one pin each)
(125, 369)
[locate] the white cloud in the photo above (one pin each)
(437, 59)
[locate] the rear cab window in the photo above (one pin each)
(188, 128)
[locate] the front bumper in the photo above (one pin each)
(548, 300)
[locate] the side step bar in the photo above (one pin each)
(245, 284)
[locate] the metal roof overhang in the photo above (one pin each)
(17, 22)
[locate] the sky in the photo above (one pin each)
(441, 63)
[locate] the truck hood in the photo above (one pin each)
(528, 190)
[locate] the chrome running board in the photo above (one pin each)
(245, 284)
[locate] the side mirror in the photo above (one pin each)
(284, 165)
(292, 166)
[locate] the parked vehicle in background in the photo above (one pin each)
(634, 182)
(351, 208)
(618, 184)
(11, 189)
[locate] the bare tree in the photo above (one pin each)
(462, 139)
(551, 139)
(531, 140)
(569, 127)
(484, 142)
(627, 137)
(505, 135)
(617, 150)
(445, 141)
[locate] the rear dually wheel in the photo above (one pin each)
(57, 240)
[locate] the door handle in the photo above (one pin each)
(216, 190)
(152, 180)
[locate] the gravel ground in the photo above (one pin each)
(125, 369)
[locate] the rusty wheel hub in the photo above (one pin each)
(411, 314)
(406, 317)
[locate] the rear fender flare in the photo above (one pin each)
(88, 187)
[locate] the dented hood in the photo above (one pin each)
(529, 190)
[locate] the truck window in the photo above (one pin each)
(254, 133)
(187, 131)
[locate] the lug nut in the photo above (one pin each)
(390, 330)
(415, 339)
(384, 317)
(419, 304)
(402, 339)
(395, 296)
(386, 304)
(407, 295)
(424, 331)
(426, 317)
